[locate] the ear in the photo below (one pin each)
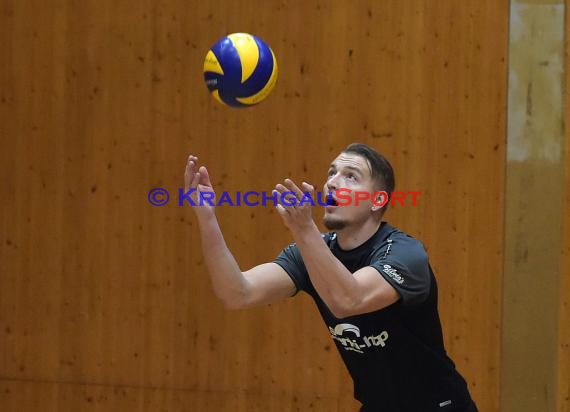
(379, 200)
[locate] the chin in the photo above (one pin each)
(334, 224)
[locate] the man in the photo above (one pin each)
(372, 284)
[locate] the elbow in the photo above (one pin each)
(232, 297)
(344, 308)
(340, 313)
(234, 302)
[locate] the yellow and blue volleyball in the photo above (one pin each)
(240, 70)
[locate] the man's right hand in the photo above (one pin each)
(203, 194)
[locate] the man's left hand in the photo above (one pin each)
(295, 205)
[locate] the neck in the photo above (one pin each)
(351, 237)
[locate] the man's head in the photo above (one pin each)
(357, 171)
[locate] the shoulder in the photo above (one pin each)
(403, 262)
(395, 240)
(403, 240)
(401, 250)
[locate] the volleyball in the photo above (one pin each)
(240, 70)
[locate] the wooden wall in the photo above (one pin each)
(563, 360)
(534, 208)
(104, 302)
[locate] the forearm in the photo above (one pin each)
(228, 282)
(332, 280)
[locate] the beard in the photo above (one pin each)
(334, 224)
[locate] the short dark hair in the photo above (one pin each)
(380, 168)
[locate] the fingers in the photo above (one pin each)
(291, 197)
(287, 198)
(191, 178)
(204, 176)
(191, 181)
(195, 180)
(290, 190)
(294, 204)
(289, 184)
(281, 210)
(308, 187)
(191, 163)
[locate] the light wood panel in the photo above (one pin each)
(103, 100)
(563, 359)
(535, 164)
(563, 342)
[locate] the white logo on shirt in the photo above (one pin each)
(357, 345)
(393, 273)
(345, 327)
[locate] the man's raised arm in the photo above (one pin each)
(263, 284)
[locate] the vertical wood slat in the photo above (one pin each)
(534, 208)
(563, 341)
